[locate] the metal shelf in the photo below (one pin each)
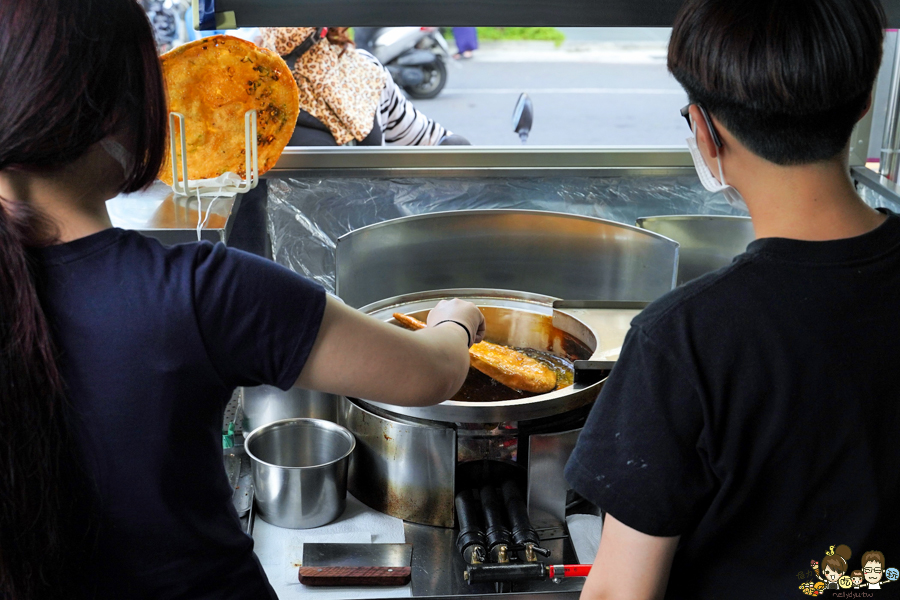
(873, 180)
(481, 161)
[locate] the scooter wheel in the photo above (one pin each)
(435, 80)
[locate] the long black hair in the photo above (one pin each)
(72, 72)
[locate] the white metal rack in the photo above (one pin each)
(185, 188)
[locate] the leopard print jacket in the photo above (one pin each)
(341, 89)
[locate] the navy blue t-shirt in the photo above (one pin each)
(153, 341)
(755, 412)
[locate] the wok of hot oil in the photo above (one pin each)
(481, 388)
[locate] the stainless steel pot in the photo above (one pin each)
(299, 469)
(266, 404)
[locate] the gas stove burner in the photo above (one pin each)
(495, 542)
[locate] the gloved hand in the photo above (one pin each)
(461, 312)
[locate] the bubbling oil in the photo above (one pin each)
(481, 388)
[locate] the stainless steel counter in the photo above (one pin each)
(158, 213)
(437, 570)
(437, 567)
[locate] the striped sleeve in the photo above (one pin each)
(402, 123)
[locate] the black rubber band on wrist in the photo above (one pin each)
(466, 329)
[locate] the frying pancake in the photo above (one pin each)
(509, 367)
(213, 81)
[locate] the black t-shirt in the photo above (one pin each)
(152, 343)
(755, 412)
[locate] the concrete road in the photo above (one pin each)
(617, 34)
(591, 95)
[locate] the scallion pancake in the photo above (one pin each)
(213, 82)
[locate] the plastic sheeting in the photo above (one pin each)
(307, 216)
(876, 200)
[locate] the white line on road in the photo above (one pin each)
(629, 91)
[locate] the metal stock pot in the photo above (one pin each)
(300, 471)
(264, 404)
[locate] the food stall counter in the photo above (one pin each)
(159, 213)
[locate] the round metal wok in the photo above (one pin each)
(516, 319)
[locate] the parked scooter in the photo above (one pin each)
(415, 57)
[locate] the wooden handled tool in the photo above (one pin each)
(355, 564)
(322, 576)
(509, 367)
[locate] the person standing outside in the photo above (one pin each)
(466, 39)
(346, 94)
(346, 97)
(164, 21)
(717, 443)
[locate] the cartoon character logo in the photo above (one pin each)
(813, 589)
(873, 570)
(833, 572)
(833, 575)
(834, 566)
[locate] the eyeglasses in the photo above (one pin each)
(686, 113)
(871, 570)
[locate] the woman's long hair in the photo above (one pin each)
(72, 72)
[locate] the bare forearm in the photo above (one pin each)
(630, 565)
(444, 366)
(355, 355)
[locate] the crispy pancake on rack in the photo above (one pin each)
(213, 82)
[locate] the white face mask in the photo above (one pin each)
(709, 181)
(118, 152)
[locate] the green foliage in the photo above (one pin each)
(491, 34)
(550, 34)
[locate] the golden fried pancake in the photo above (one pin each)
(213, 82)
(510, 367)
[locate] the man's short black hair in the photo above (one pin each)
(789, 78)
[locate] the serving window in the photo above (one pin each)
(607, 139)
